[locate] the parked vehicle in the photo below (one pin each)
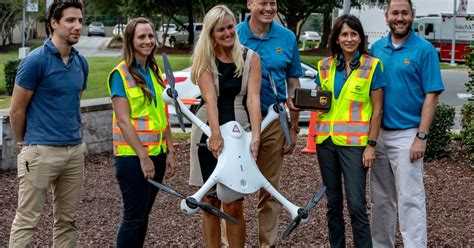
(119, 29)
(310, 36)
(191, 95)
(438, 29)
(96, 28)
(181, 34)
(171, 28)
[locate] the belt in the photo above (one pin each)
(391, 129)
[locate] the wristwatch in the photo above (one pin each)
(421, 135)
(296, 128)
(372, 143)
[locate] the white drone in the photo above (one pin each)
(236, 174)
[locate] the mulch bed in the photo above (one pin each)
(449, 187)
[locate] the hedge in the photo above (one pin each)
(440, 132)
(11, 67)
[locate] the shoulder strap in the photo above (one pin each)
(248, 53)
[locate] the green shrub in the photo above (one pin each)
(467, 129)
(440, 132)
(10, 73)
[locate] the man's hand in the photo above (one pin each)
(291, 105)
(418, 149)
(290, 148)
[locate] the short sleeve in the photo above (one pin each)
(86, 72)
(430, 71)
(317, 81)
(378, 80)
(29, 72)
(294, 68)
(116, 85)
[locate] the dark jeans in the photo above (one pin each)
(337, 162)
(138, 197)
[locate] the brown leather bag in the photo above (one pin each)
(313, 99)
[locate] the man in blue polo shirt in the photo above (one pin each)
(412, 73)
(46, 121)
(278, 50)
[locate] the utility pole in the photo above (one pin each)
(453, 42)
(23, 51)
(346, 7)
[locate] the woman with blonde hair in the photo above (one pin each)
(143, 145)
(229, 77)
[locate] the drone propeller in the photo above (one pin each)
(172, 92)
(303, 213)
(193, 203)
(281, 111)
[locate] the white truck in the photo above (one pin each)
(438, 29)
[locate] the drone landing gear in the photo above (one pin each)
(189, 205)
(303, 213)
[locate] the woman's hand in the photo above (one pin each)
(148, 168)
(368, 157)
(216, 143)
(170, 165)
(254, 147)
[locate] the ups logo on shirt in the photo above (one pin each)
(278, 50)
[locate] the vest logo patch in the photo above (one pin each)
(406, 61)
(236, 129)
(323, 100)
(278, 50)
(357, 88)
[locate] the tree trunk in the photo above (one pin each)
(326, 29)
(189, 6)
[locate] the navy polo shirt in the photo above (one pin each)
(411, 71)
(278, 51)
(340, 79)
(53, 116)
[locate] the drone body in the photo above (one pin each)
(236, 174)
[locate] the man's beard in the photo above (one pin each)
(400, 34)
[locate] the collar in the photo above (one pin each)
(139, 66)
(407, 43)
(341, 55)
(272, 32)
(51, 48)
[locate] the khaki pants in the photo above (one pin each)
(40, 166)
(270, 163)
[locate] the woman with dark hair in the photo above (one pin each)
(143, 145)
(346, 135)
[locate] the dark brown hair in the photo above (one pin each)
(128, 55)
(390, 1)
(354, 23)
(55, 11)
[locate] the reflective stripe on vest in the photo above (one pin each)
(148, 119)
(348, 121)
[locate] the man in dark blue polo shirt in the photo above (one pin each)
(46, 121)
(412, 72)
(278, 50)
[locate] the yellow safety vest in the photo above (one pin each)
(148, 119)
(348, 120)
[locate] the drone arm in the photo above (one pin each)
(204, 189)
(193, 118)
(271, 116)
(292, 208)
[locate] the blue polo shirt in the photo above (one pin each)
(278, 52)
(411, 71)
(53, 116)
(116, 83)
(340, 79)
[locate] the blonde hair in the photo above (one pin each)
(204, 57)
